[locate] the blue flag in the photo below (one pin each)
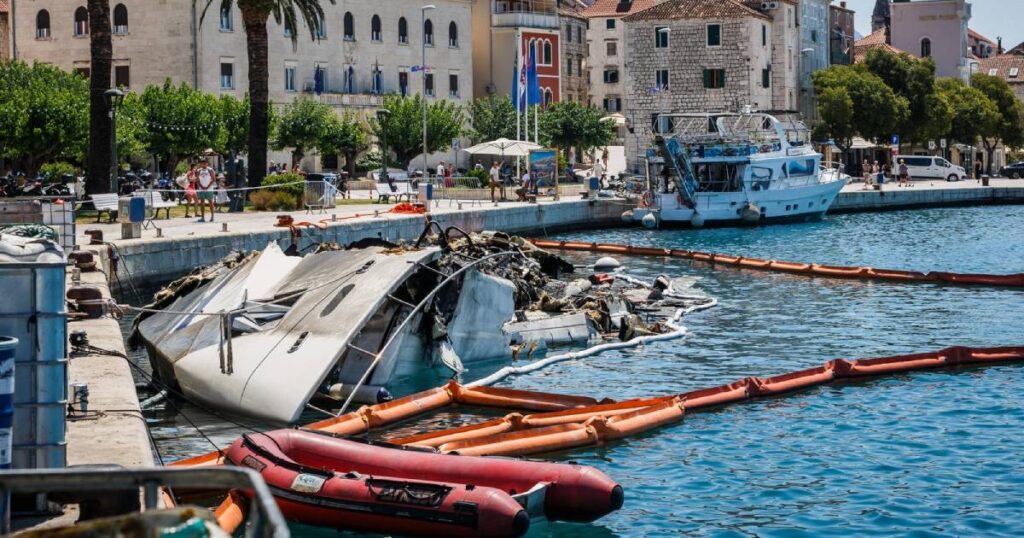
(533, 94)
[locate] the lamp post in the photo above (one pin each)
(382, 118)
(423, 49)
(113, 98)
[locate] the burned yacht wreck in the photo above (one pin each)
(266, 334)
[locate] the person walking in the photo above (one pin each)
(206, 188)
(598, 171)
(604, 158)
(448, 181)
(191, 197)
(904, 174)
(977, 169)
(495, 181)
(440, 169)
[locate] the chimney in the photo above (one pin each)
(888, 35)
(999, 46)
(842, 4)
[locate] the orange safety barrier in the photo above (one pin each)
(231, 513)
(725, 394)
(584, 413)
(517, 399)
(831, 271)
(792, 381)
(510, 422)
(639, 421)
(526, 442)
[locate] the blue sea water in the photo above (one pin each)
(926, 454)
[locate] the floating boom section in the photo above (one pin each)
(798, 268)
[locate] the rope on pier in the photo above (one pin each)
(806, 269)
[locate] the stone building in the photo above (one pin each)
(842, 36)
(1009, 67)
(5, 30)
(936, 29)
(691, 56)
(814, 53)
(365, 49)
(575, 68)
(606, 41)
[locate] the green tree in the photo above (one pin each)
(180, 121)
(571, 124)
(44, 115)
(234, 118)
(876, 110)
(974, 114)
(302, 126)
(255, 16)
(344, 136)
(913, 79)
(492, 118)
(1009, 130)
(835, 107)
(101, 52)
(404, 126)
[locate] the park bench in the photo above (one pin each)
(154, 203)
(397, 189)
(105, 203)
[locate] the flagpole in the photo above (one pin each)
(519, 56)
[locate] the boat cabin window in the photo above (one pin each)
(760, 178)
(719, 177)
(802, 167)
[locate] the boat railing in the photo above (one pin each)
(264, 521)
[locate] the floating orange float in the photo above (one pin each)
(831, 271)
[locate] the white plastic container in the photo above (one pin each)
(33, 311)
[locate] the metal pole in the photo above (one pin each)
(113, 147)
(423, 48)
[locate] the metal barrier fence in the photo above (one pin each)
(321, 195)
(472, 189)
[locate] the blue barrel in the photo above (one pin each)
(137, 209)
(7, 347)
(595, 183)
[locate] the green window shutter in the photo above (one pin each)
(707, 78)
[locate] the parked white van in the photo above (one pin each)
(924, 166)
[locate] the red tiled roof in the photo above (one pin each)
(697, 9)
(1003, 64)
(979, 37)
(4, 6)
(873, 40)
(616, 8)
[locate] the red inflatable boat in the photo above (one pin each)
(324, 480)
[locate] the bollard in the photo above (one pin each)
(223, 226)
(7, 347)
(159, 233)
(334, 217)
(80, 396)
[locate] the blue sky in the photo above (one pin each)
(992, 18)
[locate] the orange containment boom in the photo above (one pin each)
(808, 269)
(520, 435)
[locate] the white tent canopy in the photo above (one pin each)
(503, 147)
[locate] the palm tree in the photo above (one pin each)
(255, 15)
(101, 53)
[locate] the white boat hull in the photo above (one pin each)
(776, 205)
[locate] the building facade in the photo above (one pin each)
(606, 42)
(814, 53)
(575, 67)
(5, 30)
(364, 50)
(842, 35)
(937, 29)
(693, 56)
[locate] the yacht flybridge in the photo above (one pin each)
(733, 168)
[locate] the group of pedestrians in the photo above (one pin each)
(201, 186)
(875, 174)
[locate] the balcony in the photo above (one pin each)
(340, 97)
(524, 13)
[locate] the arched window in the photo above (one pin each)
(321, 27)
(81, 22)
(227, 21)
(926, 48)
(375, 28)
(428, 33)
(120, 19)
(403, 31)
(43, 24)
(453, 34)
(547, 53)
(548, 97)
(350, 27)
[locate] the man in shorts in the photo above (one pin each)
(206, 188)
(495, 181)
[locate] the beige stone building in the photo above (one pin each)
(365, 49)
(575, 66)
(694, 56)
(5, 30)
(606, 41)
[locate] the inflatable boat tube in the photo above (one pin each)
(313, 484)
(575, 492)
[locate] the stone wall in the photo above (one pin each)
(574, 53)
(686, 58)
(598, 37)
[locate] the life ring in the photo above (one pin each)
(645, 200)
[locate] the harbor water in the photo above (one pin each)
(922, 454)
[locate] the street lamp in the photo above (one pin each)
(113, 97)
(423, 48)
(382, 118)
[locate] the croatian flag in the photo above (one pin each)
(534, 96)
(519, 82)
